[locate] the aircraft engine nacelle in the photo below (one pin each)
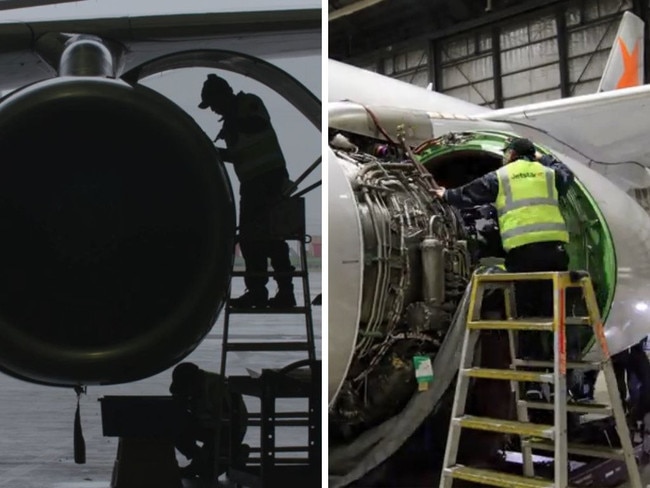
(117, 233)
(402, 259)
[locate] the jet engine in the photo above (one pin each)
(417, 266)
(418, 256)
(400, 260)
(117, 232)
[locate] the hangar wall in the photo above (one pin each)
(549, 54)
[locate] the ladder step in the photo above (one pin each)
(283, 449)
(519, 324)
(281, 423)
(269, 311)
(604, 452)
(578, 321)
(505, 426)
(267, 346)
(508, 278)
(549, 364)
(495, 478)
(509, 374)
(590, 408)
(270, 274)
(529, 323)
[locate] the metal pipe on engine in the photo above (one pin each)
(433, 267)
(86, 56)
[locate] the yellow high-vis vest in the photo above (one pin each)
(527, 204)
(256, 153)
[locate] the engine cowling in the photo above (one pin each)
(117, 232)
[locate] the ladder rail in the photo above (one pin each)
(460, 395)
(309, 322)
(612, 385)
(561, 460)
(226, 327)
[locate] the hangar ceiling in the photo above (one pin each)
(357, 27)
(496, 53)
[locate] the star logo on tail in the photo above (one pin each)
(630, 76)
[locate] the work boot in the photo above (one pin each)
(258, 298)
(194, 469)
(284, 298)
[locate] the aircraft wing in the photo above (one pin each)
(12, 4)
(608, 127)
(28, 49)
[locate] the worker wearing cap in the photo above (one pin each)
(525, 193)
(253, 148)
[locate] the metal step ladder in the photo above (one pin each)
(288, 224)
(534, 436)
(263, 468)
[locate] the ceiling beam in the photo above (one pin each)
(495, 16)
(352, 8)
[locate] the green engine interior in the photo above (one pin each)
(456, 159)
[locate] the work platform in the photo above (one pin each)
(270, 469)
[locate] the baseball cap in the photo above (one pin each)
(213, 88)
(182, 377)
(523, 147)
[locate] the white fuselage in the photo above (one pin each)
(628, 320)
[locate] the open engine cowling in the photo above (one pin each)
(117, 228)
(415, 258)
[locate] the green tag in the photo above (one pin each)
(423, 371)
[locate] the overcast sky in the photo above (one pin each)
(103, 8)
(300, 140)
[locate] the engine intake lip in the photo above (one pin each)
(118, 229)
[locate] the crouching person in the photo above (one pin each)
(199, 394)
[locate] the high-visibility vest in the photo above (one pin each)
(253, 154)
(527, 205)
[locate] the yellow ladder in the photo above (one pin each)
(549, 437)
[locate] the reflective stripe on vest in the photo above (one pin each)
(527, 205)
(255, 153)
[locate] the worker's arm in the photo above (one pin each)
(563, 175)
(480, 191)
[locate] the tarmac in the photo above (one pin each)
(36, 422)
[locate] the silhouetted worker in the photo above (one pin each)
(525, 192)
(633, 363)
(254, 151)
(199, 394)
